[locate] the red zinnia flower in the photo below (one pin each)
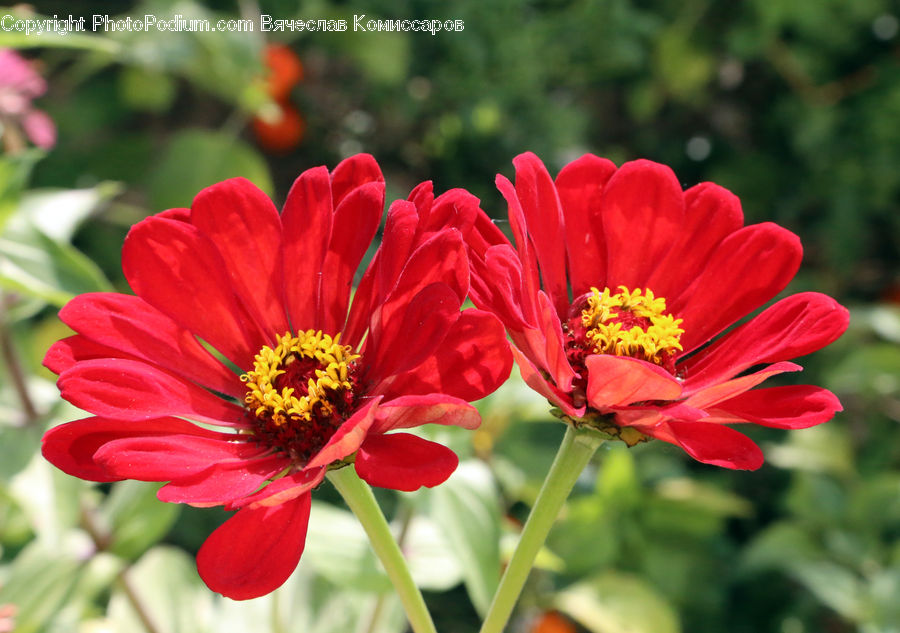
(312, 385)
(638, 277)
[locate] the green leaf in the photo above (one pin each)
(780, 546)
(57, 213)
(617, 481)
(467, 509)
(196, 159)
(834, 585)
(39, 582)
(14, 173)
(430, 556)
(49, 497)
(35, 265)
(81, 41)
(136, 518)
(617, 603)
(170, 591)
(337, 548)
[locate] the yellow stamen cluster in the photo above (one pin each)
(606, 320)
(331, 376)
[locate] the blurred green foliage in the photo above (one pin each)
(792, 105)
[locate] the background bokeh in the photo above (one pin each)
(794, 106)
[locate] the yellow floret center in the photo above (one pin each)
(631, 323)
(327, 375)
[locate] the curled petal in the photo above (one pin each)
(535, 379)
(223, 482)
(543, 214)
(347, 438)
(432, 408)
(283, 489)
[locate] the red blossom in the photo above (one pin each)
(324, 379)
(619, 294)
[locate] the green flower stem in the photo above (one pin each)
(362, 502)
(574, 453)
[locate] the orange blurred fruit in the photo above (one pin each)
(285, 70)
(283, 133)
(552, 622)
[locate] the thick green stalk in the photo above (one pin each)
(574, 453)
(361, 501)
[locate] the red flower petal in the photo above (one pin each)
(355, 222)
(137, 329)
(472, 362)
(174, 268)
(711, 214)
(283, 489)
(546, 345)
(440, 259)
(543, 213)
(748, 268)
(580, 184)
(528, 263)
(71, 447)
(163, 458)
(244, 225)
(306, 221)
(384, 270)
(432, 408)
(255, 551)
(224, 482)
(457, 208)
(354, 172)
(347, 438)
(133, 390)
(790, 407)
(620, 380)
(713, 444)
(535, 379)
(404, 462)
(64, 353)
(717, 392)
(498, 286)
(643, 211)
(404, 343)
(794, 326)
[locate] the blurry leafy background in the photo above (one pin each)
(794, 106)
